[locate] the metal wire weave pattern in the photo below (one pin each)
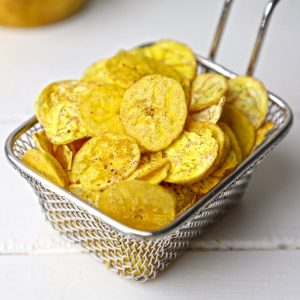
(141, 259)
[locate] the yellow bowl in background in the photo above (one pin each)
(36, 12)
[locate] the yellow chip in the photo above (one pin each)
(154, 111)
(207, 90)
(202, 128)
(64, 155)
(149, 162)
(92, 197)
(158, 175)
(104, 160)
(177, 55)
(210, 114)
(234, 144)
(64, 123)
(229, 165)
(126, 68)
(55, 93)
(77, 144)
(99, 109)
(191, 156)
(46, 165)
(41, 141)
(57, 110)
(139, 204)
(241, 126)
(97, 73)
(249, 96)
(184, 195)
(205, 185)
(262, 132)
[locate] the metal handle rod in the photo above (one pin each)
(220, 29)
(261, 35)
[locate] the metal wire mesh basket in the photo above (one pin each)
(132, 253)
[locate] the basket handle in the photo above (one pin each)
(268, 11)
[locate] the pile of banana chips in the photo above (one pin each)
(142, 136)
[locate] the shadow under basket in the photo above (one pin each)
(131, 253)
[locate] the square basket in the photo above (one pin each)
(132, 253)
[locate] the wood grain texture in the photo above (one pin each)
(196, 275)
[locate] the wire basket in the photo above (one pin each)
(132, 253)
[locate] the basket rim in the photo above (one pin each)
(189, 213)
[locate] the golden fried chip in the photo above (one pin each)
(210, 114)
(229, 165)
(158, 175)
(149, 162)
(201, 128)
(191, 157)
(41, 142)
(234, 144)
(184, 195)
(262, 132)
(64, 123)
(64, 154)
(99, 110)
(249, 96)
(154, 111)
(126, 68)
(77, 144)
(97, 73)
(205, 185)
(207, 90)
(104, 160)
(177, 55)
(241, 126)
(57, 110)
(91, 197)
(46, 165)
(139, 204)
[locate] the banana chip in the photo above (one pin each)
(154, 111)
(249, 96)
(126, 68)
(205, 185)
(97, 73)
(234, 144)
(104, 160)
(42, 143)
(99, 110)
(210, 114)
(262, 132)
(92, 197)
(191, 156)
(241, 126)
(207, 90)
(139, 204)
(77, 144)
(64, 155)
(158, 175)
(46, 165)
(149, 162)
(177, 55)
(184, 195)
(201, 128)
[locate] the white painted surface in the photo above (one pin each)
(35, 263)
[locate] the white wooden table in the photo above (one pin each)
(252, 253)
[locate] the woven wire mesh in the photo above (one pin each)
(141, 259)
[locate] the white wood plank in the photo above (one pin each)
(267, 218)
(196, 275)
(32, 58)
